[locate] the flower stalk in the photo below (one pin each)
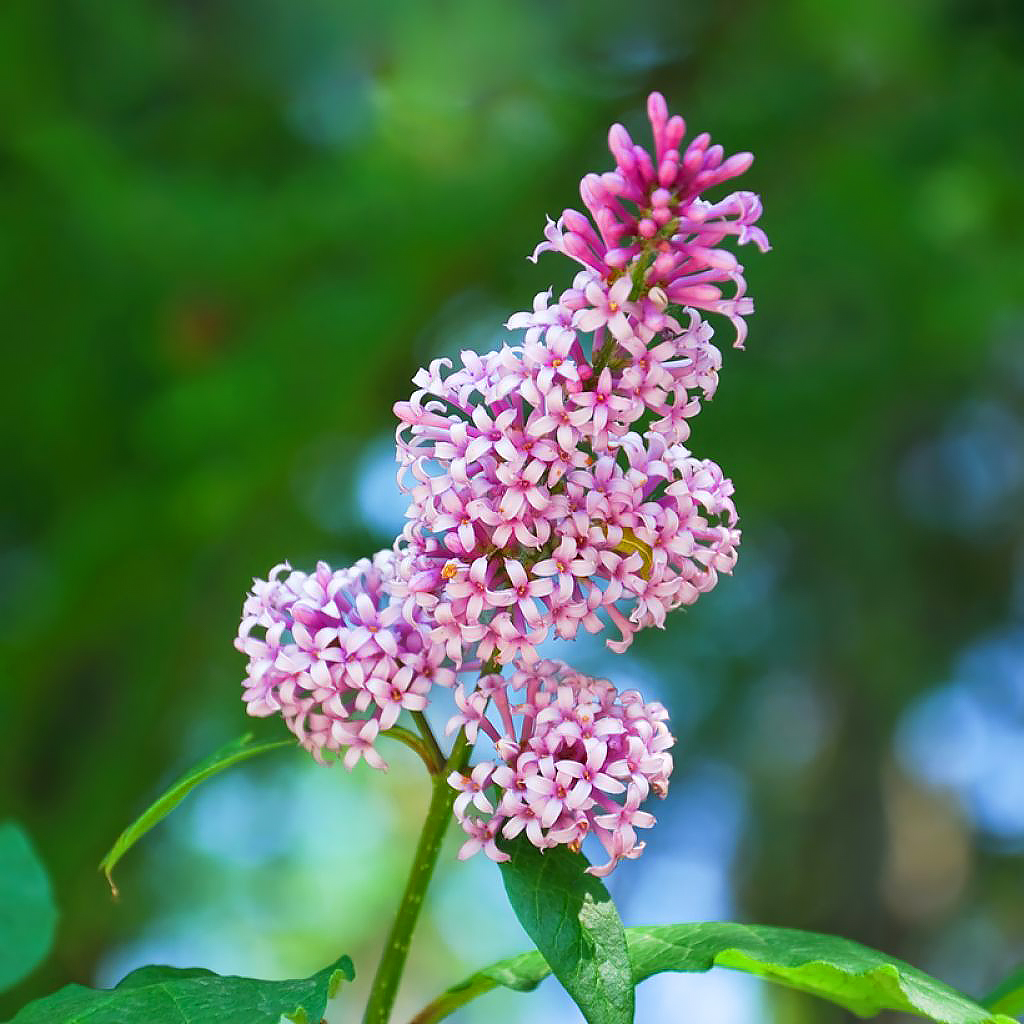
(419, 746)
(396, 948)
(430, 742)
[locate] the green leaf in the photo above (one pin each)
(28, 916)
(168, 995)
(857, 978)
(230, 754)
(1008, 997)
(573, 922)
(522, 973)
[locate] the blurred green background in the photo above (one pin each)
(233, 229)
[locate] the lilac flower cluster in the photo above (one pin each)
(536, 508)
(550, 488)
(580, 761)
(331, 653)
(548, 481)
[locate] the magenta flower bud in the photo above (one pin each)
(621, 146)
(738, 164)
(593, 193)
(577, 223)
(668, 172)
(573, 299)
(661, 198)
(701, 142)
(644, 164)
(618, 258)
(613, 183)
(612, 228)
(693, 294)
(645, 194)
(664, 265)
(657, 114)
(675, 131)
(693, 160)
(576, 247)
(719, 259)
(657, 110)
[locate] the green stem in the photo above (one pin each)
(396, 949)
(434, 762)
(429, 738)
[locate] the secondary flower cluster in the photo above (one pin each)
(332, 655)
(550, 488)
(580, 761)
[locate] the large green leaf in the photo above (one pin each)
(230, 754)
(28, 916)
(168, 995)
(1009, 996)
(857, 978)
(573, 922)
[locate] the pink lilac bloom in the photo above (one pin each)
(650, 225)
(575, 436)
(549, 490)
(574, 757)
(653, 363)
(540, 519)
(335, 657)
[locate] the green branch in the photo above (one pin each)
(396, 949)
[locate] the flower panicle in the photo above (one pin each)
(550, 488)
(574, 758)
(537, 509)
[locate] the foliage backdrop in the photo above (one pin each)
(232, 232)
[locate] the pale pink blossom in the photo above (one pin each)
(482, 835)
(472, 788)
(566, 564)
(608, 307)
